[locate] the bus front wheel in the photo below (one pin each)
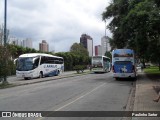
(116, 78)
(41, 74)
(57, 73)
(26, 78)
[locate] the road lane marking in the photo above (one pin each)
(80, 97)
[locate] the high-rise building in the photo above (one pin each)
(44, 47)
(15, 41)
(87, 42)
(98, 50)
(21, 42)
(105, 44)
(27, 43)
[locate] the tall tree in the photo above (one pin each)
(108, 54)
(79, 49)
(81, 53)
(116, 11)
(144, 19)
(137, 27)
(5, 69)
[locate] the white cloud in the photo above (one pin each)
(59, 22)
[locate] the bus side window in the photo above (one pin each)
(50, 60)
(60, 61)
(56, 61)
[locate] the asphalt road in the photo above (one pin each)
(91, 92)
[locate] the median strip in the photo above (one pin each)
(33, 81)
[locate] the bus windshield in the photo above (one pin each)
(97, 60)
(100, 64)
(25, 63)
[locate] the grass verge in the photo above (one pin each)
(152, 70)
(153, 73)
(6, 85)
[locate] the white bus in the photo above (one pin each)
(123, 63)
(34, 65)
(101, 64)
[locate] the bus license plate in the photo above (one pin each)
(122, 75)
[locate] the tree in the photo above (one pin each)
(117, 10)
(13, 50)
(108, 54)
(81, 53)
(135, 25)
(144, 20)
(5, 68)
(78, 48)
(74, 57)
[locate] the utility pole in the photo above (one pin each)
(5, 33)
(105, 27)
(5, 22)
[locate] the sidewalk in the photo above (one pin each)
(144, 96)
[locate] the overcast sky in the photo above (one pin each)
(59, 22)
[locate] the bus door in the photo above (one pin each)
(36, 65)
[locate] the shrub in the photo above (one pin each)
(79, 68)
(5, 67)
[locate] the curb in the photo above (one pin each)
(130, 102)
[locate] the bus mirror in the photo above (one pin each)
(15, 61)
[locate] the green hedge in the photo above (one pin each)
(79, 68)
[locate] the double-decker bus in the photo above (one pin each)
(123, 63)
(34, 65)
(100, 64)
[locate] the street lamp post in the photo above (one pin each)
(5, 22)
(105, 27)
(5, 32)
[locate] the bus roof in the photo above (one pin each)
(122, 53)
(100, 56)
(38, 54)
(123, 50)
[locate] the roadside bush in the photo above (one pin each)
(5, 66)
(79, 68)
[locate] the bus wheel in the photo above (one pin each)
(57, 73)
(41, 74)
(116, 78)
(134, 78)
(26, 78)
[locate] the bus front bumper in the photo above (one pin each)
(24, 74)
(97, 70)
(124, 75)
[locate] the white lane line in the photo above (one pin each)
(75, 100)
(80, 97)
